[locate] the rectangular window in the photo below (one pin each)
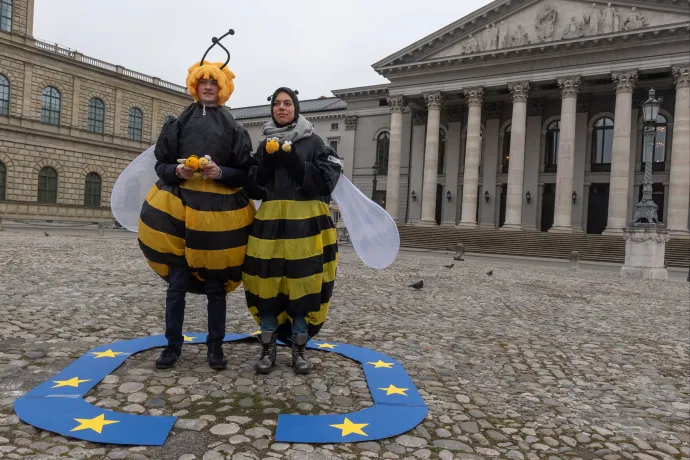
(334, 144)
(6, 15)
(334, 126)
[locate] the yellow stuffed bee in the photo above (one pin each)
(191, 162)
(272, 146)
(203, 162)
(287, 147)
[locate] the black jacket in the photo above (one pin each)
(215, 133)
(309, 172)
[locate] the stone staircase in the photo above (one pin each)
(599, 248)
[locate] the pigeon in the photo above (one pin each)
(417, 285)
(46, 233)
(490, 272)
(449, 266)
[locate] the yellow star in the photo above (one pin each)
(351, 428)
(188, 339)
(327, 345)
(382, 364)
(106, 354)
(95, 424)
(393, 390)
(73, 382)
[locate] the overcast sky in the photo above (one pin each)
(314, 46)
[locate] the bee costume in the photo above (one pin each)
(292, 253)
(194, 232)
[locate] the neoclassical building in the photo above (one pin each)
(525, 115)
(69, 123)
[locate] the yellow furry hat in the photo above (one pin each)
(211, 70)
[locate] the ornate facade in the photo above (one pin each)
(525, 115)
(69, 123)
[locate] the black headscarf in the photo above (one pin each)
(293, 96)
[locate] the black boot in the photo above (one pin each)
(268, 352)
(216, 358)
(168, 357)
(299, 362)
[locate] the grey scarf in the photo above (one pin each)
(292, 132)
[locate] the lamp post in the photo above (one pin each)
(646, 209)
(375, 171)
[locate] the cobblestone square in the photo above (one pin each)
(526, 363)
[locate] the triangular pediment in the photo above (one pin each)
(506, 24)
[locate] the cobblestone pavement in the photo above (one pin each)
(528, 363)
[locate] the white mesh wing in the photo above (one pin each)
(372, 230)
(131, 188)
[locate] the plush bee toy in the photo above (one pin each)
(195, 163)
(273, 145)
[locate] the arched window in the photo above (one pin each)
(660, 145)
(50, 106)
(92, 190)
(96, 116)
(383, 142)
(3, 180)
(441, 151)
(602, 145)
(505, 159)
(47, 185)
(136, 120)
(6, 15)
(4, 95)
(553, 134)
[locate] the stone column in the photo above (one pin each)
(396, 104)
(620, 161)
(679, 204)
(433, 103)
(347, 145)
(452, 167)
(155, 129)
(518, 128)
(491, 147)
(417, 172)
(562, 220)
(118, 114)
(475, 97)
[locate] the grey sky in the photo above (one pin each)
(311, 45)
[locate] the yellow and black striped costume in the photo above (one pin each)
(292, 252)
(201, 223)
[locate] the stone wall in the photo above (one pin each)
(92, 89)
(13, 69)
(43, 77)
(143, 103)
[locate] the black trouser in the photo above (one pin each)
(178, 285)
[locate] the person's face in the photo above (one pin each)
(207, 90)
(283, 109)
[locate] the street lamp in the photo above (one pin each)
(646, 209)
(528, 196)
(375, 171)
(487, 197)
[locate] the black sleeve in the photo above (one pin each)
(166, 153)
(322, 173)
(241, 161)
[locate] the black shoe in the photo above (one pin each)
(216, 358)
(268, 353)
(299, 361)
(168, 357)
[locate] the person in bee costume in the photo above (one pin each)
(292, 254)
(194, 224)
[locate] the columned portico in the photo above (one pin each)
(396, 104)
(516, 166)
(433, 103)
(474, 96)
(563, 211)
(620, 157)
(679, 205)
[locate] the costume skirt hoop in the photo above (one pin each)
(201, 224)
(291, 262)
